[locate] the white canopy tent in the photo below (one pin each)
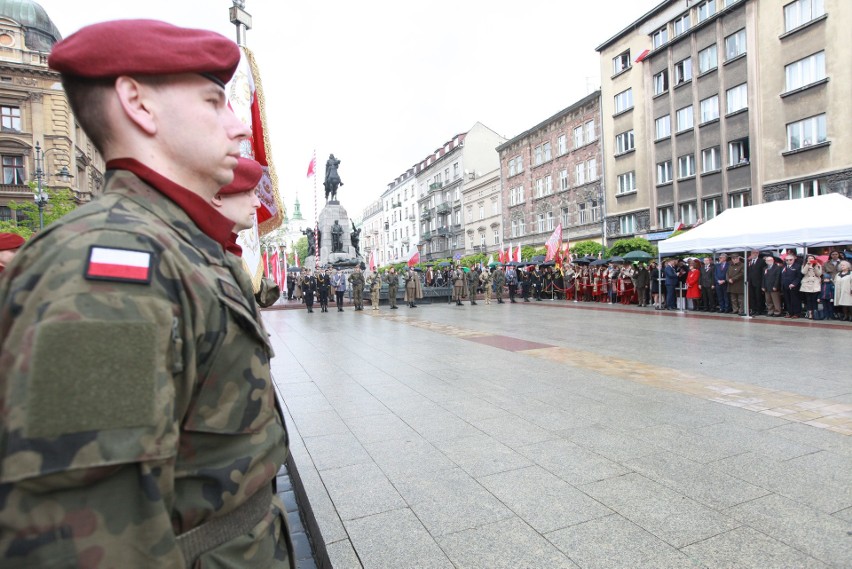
(810, 222)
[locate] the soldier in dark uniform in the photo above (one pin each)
(291, 285)
(323, 286)
(536, 280)
(472, 285)
(309, 287)
(140, 425)
(525, 278)
(393, 287)
(512, 282)
(356, 279)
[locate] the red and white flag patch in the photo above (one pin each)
(121, 265)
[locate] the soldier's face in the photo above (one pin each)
(196, 131)
(240, 208)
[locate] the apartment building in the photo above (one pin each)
(483, 213)
(399, 206)
(553, 173)
(440, 177)
(723, 103)
(373, 232)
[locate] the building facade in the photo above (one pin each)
(552, 174)
(399, 202)
(373, 232)
(483, 213)
(440, 177)
(740, 102)
(34, 111)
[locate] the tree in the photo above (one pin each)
(300, 247)
(60, 202)
(530, 251)
(624, 246)
(584, 248)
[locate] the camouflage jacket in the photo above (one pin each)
(133, 411)
(357, 280)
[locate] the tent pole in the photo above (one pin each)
(745, 283)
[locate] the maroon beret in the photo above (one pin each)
(10, 241)
(247, 174)
(144, 47)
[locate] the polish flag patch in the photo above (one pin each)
(120, 265)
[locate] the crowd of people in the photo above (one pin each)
(815, 287)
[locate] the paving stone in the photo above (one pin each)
(507, 544)
(440, 425)
(361, 490)
(845, 515)
(375, 428)
(814, 533)
(686, 443)
(819, 438)
(746, 547)
(702, 482)
(471, 409)
(613, 542)
(400, 459)
(481, 455)
(833, 466)
(543, 500)
(665, 513)
(334, 451)
(572, 463)
(321, 423)
(794, 481)
(395, 539)
(767, 442)
(342, 555)
(450, 500)
(614, 445)
(512, 430)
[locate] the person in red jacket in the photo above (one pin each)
(693, 291)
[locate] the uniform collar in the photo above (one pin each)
(232, 247)
(209, 221)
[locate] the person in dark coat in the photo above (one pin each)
(671, 280)
(537, 281)
(791, 278)
(736, 286)
(721, 276)
(309, 286)
(641, 279)
(707, 281)
(771, 287)
(323, 286)
(754, 271)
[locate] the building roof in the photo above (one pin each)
(40, 33)
(635, 25)
(567, 111)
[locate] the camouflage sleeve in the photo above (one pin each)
(89, 401)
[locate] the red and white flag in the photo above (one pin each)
(296, 258)
(553, 243)
(275, 268)
(312, 167)
(413, 256)
(372, 260)
(678, 227)
(123, 265)
(518, 254)
(264, 259)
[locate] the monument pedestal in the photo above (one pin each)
(332, 212)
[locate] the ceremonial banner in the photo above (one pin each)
(296, 258)
(373, 260)
(553, 243)
(245, 97)
(518, 254)
(413, 256)
(265, 264)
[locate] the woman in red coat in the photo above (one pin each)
(693, 289)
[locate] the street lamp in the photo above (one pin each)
(41, 198)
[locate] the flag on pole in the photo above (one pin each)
(372, 260)
(553, 243)
(265, 264)
(678, 227)
(312, 167)
(491, 257)
(518, 254)
(413, 256)
(275, 268)
(296, 258)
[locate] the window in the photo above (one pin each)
(687, 213)
(705, 10)
(11, 118)
(665, 217)
(626, 183)
(580, 174)
(684, 119)
(664, 172)
(800, 134)
(548, 155)
(624, 142)
(683, 71)
(588, 212)
(458, 217)
(739, 200)
(539, 188)
(686, 166)
(801, 12)
(481, 211)
(735, 45)
(5, 213)
(538, 155)
(660, 37)
(707, 59)
(738, 152)
(578, 137)
(517, 229)
(624, 101)
(13, 170)
(710, 109)
(455, 170)
(516, 165)
(550, 221)
(540, 222)
(806, 189)
(798, 74)
(627, 224)
(681, 24)
(495, 207)
(469, 215)
(590, 131)
(516, 195)
(737, 98)
(561, 145)
(663, 127)
(592, 169)
(712, 208)
(566, 217)
(661, 82)
(563, 180)
(495, 240)
(621, 62)
(711, 159)
(548, 185)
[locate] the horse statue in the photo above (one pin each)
(332, 178)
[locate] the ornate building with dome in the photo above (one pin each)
(34, 111)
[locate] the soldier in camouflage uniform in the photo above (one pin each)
(375, 289)
(472, 285)
(393, 286)
(485, 279)
(458, 285)
(356, 279)
(140, 426)
(499, 280)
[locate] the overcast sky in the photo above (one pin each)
(383, 83)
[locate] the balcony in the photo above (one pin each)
(426, 214)
(445, 207)
(411, 217)
(443, 231)
(426, 236)
(436, 186)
